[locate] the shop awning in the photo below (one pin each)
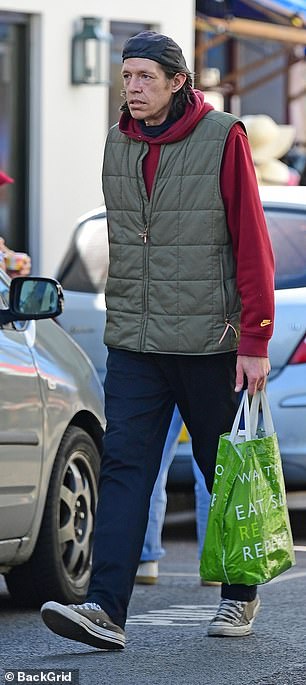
(277, 11)
(285, 8)
(239, 28)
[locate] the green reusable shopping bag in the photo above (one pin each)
(248, 538)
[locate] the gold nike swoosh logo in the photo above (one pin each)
(265, 322)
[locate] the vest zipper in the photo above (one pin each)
(144, 234)
(145, 237)
(223, 289)
(227, 323)
(146, 241)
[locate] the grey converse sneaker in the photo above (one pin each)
(84, 623)
(233, 618)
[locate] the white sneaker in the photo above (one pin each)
(147, 573)
(233, 618)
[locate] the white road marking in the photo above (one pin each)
(176, 615)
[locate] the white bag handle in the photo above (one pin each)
(261, 398)
(245, 408)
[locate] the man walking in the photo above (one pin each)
(190, 304)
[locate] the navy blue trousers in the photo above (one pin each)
(140, 393)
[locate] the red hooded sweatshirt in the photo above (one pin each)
(245, 219)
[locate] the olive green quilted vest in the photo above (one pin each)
(171, 286)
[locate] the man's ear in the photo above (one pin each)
(178, 81)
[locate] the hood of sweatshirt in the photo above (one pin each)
(181, 128)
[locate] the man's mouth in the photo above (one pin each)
(136, 103)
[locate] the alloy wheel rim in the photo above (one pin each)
(77, 504)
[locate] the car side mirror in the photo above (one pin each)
(33, 298)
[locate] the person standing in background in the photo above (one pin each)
(13, 263)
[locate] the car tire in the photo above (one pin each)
(60, 565)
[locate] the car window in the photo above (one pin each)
(85, 265)
(287, 228)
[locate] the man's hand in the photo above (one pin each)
(256, 369)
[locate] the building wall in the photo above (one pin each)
(68, 124)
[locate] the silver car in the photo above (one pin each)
(51, 429)
(285, 209)
(83, 273)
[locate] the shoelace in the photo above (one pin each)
(230, 611)
(91, 606)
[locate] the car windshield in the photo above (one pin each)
(287, 229)
(85, 264)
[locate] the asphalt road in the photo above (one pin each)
(166, 631)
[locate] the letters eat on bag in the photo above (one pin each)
(248, 538)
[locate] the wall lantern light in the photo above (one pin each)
(90, 53)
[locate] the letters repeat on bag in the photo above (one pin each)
(248, 538)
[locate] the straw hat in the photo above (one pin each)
(268, 140)
(276, 173)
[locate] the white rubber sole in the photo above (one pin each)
(68, 623)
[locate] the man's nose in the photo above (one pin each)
(135, 83)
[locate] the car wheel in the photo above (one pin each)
(59, 567)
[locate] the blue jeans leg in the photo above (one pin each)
(152, 549)
(202, 503)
